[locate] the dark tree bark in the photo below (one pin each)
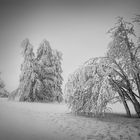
(122, 96)
(126, 106)
(135, 103)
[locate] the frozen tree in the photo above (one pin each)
(88, 90)
(40, 79)
(110, 79)
(124, 56)
(48, 69)
(27, 77)
(57, 57)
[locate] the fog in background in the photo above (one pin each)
(77, 28)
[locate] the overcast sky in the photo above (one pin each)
(76, 28)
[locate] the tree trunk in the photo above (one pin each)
(121, 94)
(137, 108)
(127, 108)
(135, 103)
(125, 104)
(137, 80)
(138, 84)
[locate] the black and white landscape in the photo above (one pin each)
(69, 70)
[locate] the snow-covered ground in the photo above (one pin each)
(40, 121)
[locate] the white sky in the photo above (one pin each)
(76, 28)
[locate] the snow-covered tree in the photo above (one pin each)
(40, 79)
(88, 90)
(48, 69)
(27, 77)
(124, 56)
